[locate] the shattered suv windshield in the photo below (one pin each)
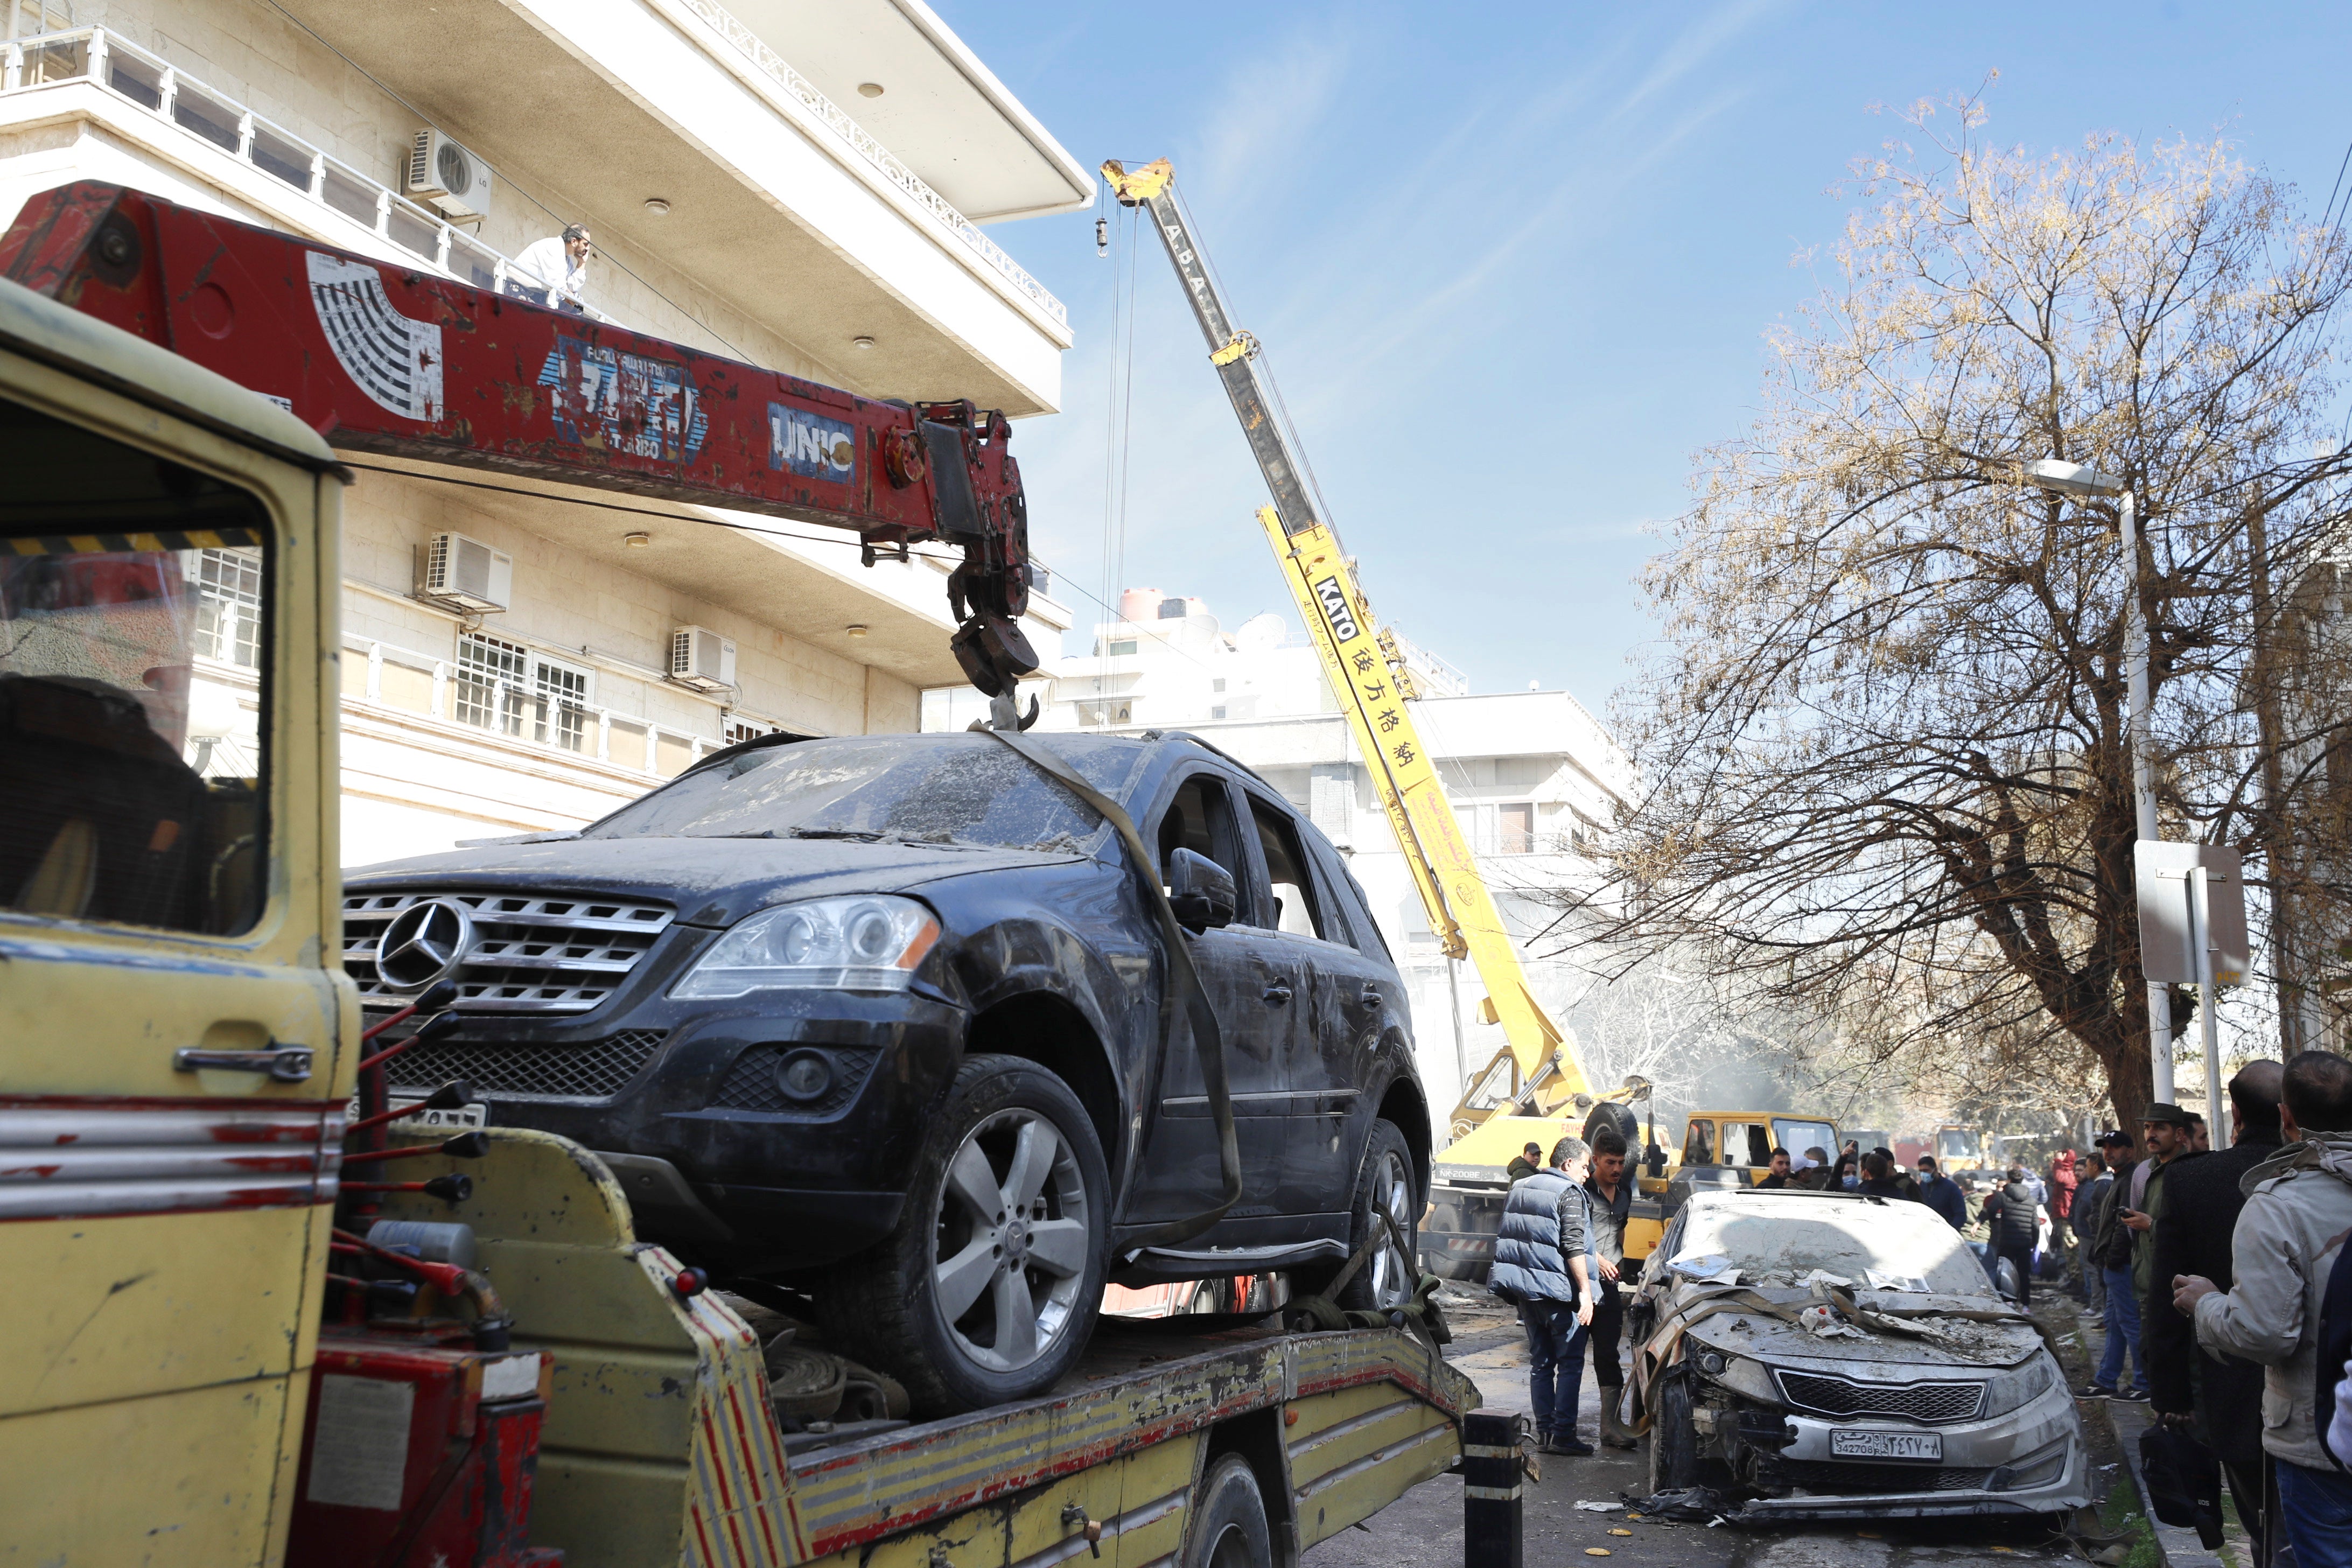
(951, 789)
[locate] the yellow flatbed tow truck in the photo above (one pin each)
(203, 1367)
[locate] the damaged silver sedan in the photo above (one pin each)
(1820, 1355)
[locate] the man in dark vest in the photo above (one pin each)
(2220, 1400)
(1545, 1261)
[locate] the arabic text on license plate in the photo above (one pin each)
(463, 1118)
(1847, 1443)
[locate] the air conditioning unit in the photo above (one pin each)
(450, 178)
(702, 659)
(467, 574)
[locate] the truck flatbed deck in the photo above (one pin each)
(660, 1445)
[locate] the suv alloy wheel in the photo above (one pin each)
(988, 1290)
(1385, 1186)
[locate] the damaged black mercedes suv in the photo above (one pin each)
(881, 1017)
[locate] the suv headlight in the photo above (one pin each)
(869, 943)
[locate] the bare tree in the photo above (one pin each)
(1883, 746)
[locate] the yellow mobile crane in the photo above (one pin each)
(1537, 1074)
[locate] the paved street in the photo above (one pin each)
(1423, 1530)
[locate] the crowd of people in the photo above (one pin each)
(2221, 1278)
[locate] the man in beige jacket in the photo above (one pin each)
(2297, 1216)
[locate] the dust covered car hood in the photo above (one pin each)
(710, 881)
(1901, 1285)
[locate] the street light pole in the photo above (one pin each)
(2076, 479)
(2142, 751)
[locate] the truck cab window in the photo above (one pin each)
(134, 656)
(1698, 1145)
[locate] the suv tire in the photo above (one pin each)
(988, 1290)
(1385, 1182)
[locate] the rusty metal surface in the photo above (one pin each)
(390, 359)
(856, 1494)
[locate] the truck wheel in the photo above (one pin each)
(1385, 1186)
(1673, 1440)
(1229, 1529)
(988, 1290)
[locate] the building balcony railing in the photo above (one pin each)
(152, 84)
(433, 687)
(939, 210)
(110, 60)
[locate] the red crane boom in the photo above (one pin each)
(390, 358)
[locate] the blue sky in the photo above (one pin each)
(1513, 264)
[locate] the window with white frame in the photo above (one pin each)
(741, 730)
(228, 603)
(517, 690)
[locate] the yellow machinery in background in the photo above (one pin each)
(1538, 1076)
(1535, 1089)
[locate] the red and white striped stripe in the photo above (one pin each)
(71, 1157)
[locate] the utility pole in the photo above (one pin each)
(2076, 479)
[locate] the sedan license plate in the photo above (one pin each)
(1852, 1443)
(462, 1119)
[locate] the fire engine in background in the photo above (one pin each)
(260, 1330)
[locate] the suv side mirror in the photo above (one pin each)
(1200, 891)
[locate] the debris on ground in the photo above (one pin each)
(1690, 1505)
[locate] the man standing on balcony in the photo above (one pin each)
(559, 267)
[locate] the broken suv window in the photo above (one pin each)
(918, 789)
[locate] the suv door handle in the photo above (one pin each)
(1371, 996)
(287, 1064)
(1279, 993)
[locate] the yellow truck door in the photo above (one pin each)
(176, 1039)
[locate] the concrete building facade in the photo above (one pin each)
(736, 206)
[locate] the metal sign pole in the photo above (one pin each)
(2201, 942)
(2200, 939)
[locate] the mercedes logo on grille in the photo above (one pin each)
(425, 941)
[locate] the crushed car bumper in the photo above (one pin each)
(2031, 1460)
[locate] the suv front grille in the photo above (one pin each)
(531, 953)
(1931, 1404)
(596, 1070)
